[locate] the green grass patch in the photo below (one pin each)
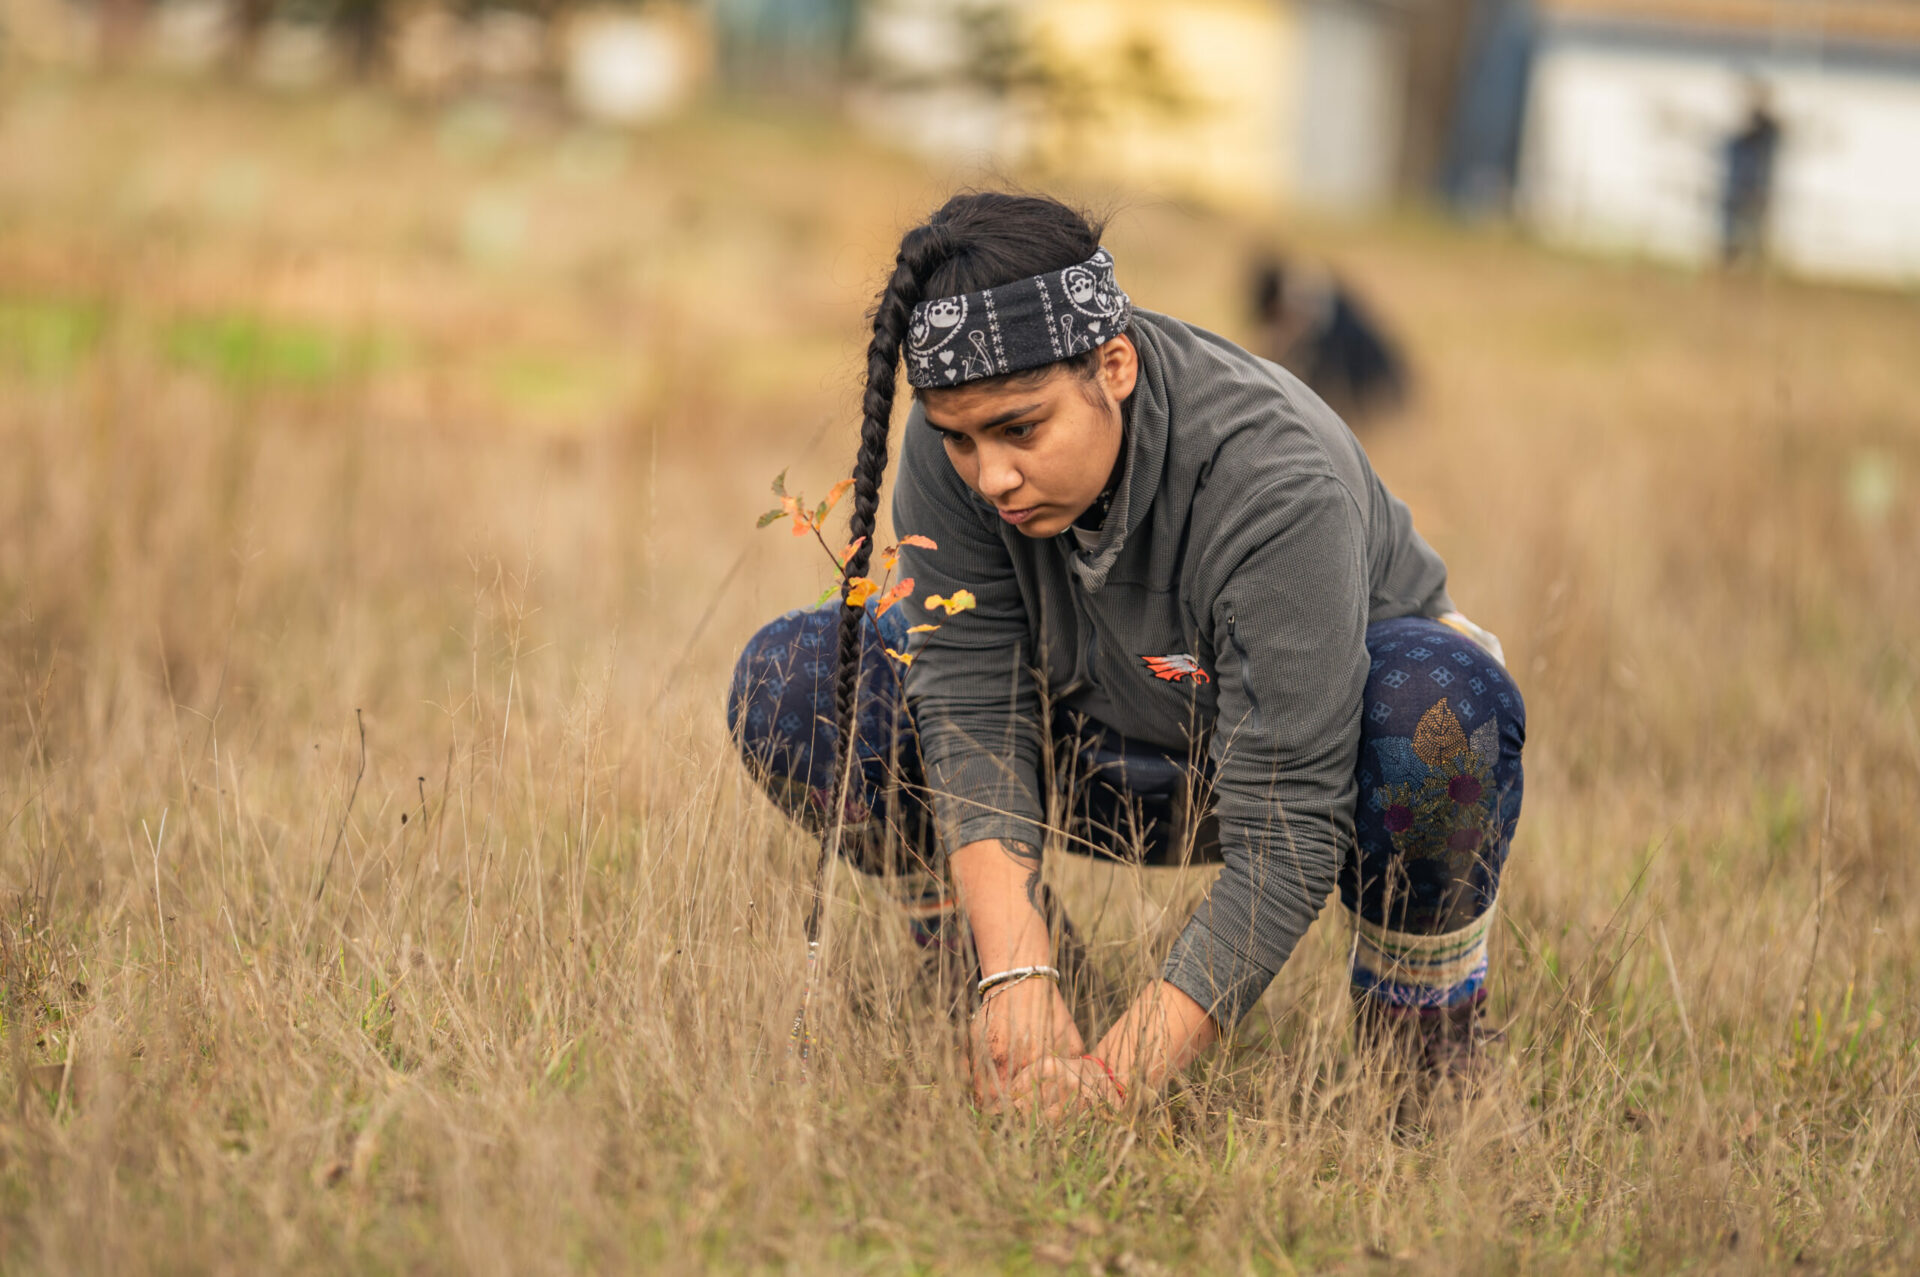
(246, 351)
(48, 338)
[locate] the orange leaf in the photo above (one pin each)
(848, 552)
(837, 491)
(894, 595)
(924, 543)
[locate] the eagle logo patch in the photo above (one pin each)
(1177, 668)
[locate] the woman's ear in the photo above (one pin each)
(1119, 369)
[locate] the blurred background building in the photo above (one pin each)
(1339, 104)
(1692, 130)
(1688, 129)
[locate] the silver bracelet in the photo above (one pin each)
(1015, 975)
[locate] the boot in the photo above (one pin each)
(1432, 1047)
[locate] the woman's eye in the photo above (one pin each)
(1018, 432)
(953, 438)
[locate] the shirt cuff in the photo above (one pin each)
(1005, 826)
(1209, 971)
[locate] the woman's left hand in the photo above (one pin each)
(1056, 1085)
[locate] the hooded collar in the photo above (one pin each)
(1148, 419)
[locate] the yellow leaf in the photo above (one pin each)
(921, 629)
(860, 589)
(889, 559)
(905, 658)
(960, 601)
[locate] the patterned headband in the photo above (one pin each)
(1026, 324)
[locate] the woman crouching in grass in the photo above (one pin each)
(1200, 606)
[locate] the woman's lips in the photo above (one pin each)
(1019, 516)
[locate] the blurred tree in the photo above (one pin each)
(993, 48)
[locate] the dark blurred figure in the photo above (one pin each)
(363, 24)
(1313, 325)
(1746, 191)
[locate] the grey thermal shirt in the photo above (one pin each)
(1249, 536)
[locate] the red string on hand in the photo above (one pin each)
(1108, 1070)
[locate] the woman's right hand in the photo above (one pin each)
(998, 881)
(1016, 1027)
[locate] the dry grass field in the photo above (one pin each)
(329, 415)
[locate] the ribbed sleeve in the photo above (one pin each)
(1289, 623)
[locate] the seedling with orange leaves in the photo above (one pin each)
(860, 590)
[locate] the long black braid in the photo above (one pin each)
(892, 310)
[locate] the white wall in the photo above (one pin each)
(1350, 95)
(1623, 151)
(922, 98)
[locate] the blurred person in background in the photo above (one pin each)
(1198, 617)
(1310, 323)
(1748, 158)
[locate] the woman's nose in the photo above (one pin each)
(998, 476)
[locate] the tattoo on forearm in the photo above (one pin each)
(1028, 857)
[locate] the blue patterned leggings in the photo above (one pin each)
(1439, 787)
